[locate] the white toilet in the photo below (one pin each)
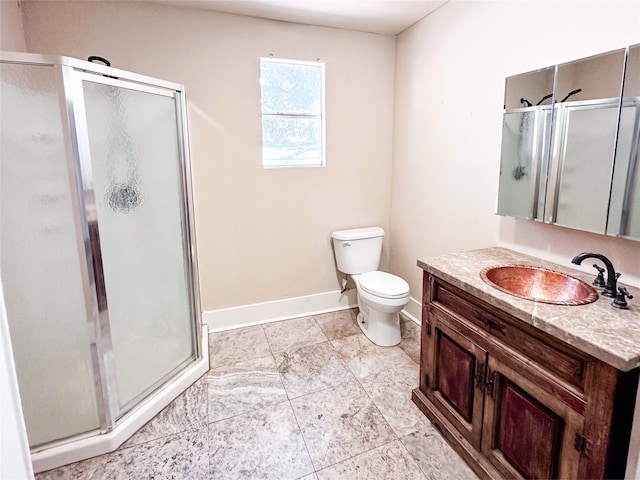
(381, 295)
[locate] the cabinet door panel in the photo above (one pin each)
(528, 432)
(455, 366)
(455, 376)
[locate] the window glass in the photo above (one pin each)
(292, 97)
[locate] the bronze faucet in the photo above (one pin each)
(612, 277)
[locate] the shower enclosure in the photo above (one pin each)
(97, 255)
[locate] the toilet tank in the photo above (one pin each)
(358, 250)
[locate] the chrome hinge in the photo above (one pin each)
(582, 444)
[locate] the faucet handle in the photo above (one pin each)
(621, 298)
(599, 280)
(610, 289)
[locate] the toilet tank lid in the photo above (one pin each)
(358, 233)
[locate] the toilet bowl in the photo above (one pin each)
(381, 295)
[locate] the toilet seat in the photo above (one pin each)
(384, 285)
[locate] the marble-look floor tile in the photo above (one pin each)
(363, 357)
(435, 457)
(391, 392)
(347, 428)
(340, 422)
(109, 466)
(263, 444)
(338, 324)
(390, 461)
(289, 335)
(410, 343)
(181, 457)
(311, 368)
(186, 412)
(242, 387)
(232, 346)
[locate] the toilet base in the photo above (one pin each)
(381, 328)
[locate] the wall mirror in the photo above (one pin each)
(586, 108)
(526, 130)
(570, 145)
(624, 211)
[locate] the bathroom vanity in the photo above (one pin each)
(523, 389)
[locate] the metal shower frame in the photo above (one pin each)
(70, 74)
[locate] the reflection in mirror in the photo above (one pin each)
(572, 158)
(525, 139)
(585, 126)
(624, 213)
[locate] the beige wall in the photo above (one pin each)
(450, 74)
(11, 27)
(262, 234)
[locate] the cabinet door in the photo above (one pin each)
(455, 367)
(528, 433)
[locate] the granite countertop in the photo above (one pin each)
(598, 329)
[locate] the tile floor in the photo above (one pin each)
(308, 398)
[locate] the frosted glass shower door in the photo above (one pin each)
(41, 259)
(138, 183)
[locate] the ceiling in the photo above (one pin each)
(376, 16)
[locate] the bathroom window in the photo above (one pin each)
(292, 98)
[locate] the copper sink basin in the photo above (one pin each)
(539, 284)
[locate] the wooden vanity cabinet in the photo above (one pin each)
(514, 401)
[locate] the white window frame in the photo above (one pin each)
(321, 116)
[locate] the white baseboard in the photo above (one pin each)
(273, 311)
(413, 310)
